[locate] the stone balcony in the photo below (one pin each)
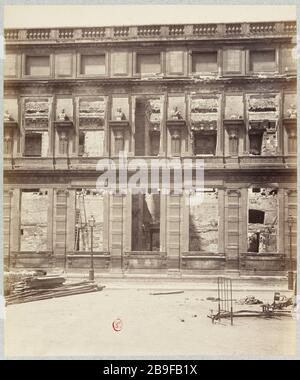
(152, 32)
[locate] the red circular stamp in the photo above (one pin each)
(117, 324)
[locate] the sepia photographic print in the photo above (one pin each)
(149, 198)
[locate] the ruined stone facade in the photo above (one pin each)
(225, 93)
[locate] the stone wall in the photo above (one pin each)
(34, 219)
(204, 221)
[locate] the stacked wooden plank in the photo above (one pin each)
(41, 288)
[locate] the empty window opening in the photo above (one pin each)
(255, 142)
(34, 220)
(262, 61)
(88, 204)
(204, 221)
(205, 143)
(147, 141)
(262, 220)
(92, 65)
(37, 65)
(256, 216)
(145, 222)
(91, 143)
(36, 144)
(205, 62)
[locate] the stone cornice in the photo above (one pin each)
(146, 81)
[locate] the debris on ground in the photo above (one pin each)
(250, 300)
(34, 287)
(281, 301)
(165, 293)
(11, 279)
(213, 299)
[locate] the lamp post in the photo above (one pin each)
(290, 221)
(91, 271)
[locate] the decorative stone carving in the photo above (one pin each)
(263, 107)
(292, 111)
(260, 126)
(176, 114)
(36, 114)
(120, 115)
(37, 108)
(63, 126)
(7, 116)
(204, 114)
(204, 126)
(233, 126)
(62, 116)
(154, 115)
(91, 113)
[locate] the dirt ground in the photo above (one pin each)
(152, 325)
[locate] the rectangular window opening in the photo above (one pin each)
(88, 203)
(204, 62)
(92, 64)
(262, 61)
(204, 221)
(205, 144)
(37, 65)
(34, 220)
(148, 63)
(145, 222)
(262, 220)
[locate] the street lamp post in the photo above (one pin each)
(91, 271)
(290, 221)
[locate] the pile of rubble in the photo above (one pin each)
(34, 286)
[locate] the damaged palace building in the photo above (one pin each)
(223, 93)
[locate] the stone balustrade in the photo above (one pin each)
(175, 31)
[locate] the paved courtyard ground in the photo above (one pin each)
(152, 325)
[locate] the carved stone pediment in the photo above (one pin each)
(11, 124)
(207, 127)
(176, 124)
(120, 124)
(261, 126)
(64, 124)
(233, 123)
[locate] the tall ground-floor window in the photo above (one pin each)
(88, 205)
(34, 220)
(145, 222)
(262, 220)
(204, 221)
